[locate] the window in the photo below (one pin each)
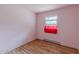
(51, 24)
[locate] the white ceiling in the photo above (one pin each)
(43, 7)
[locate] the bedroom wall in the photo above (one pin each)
(78, 25)
(67, 26)
(17, 27)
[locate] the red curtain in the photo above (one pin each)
(50, 29)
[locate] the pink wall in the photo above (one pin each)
(17, 27)
(67, 26)
(78, 25)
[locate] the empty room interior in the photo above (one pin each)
(39, 29)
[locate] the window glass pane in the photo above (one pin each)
(51, 22)
(51, 18)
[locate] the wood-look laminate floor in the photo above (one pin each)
(43, 47)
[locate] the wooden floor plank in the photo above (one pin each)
(43, 47)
